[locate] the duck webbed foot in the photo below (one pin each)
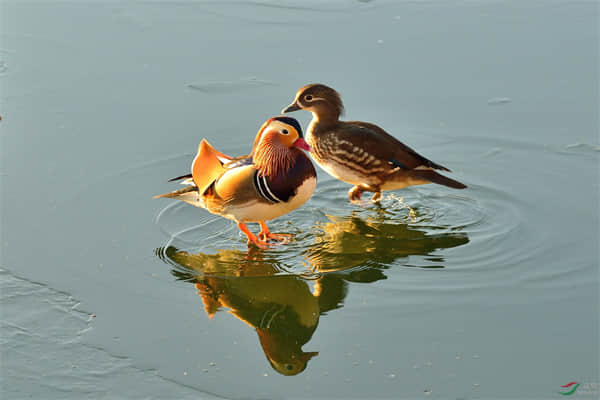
(265, 234)
(252, 237)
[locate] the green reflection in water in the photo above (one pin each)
(285, 308)
(282, 308)
(377, 241)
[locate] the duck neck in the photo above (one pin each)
(324, 118)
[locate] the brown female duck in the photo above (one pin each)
(361, 153)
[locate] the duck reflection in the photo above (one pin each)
(377, 242)
(256, 287)
(282, 309)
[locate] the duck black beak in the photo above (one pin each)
(292, 107)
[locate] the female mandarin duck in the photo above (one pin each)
(273, 180)
(361, 153)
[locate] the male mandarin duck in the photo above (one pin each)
(274, 179)
(361, 153)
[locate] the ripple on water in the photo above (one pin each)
(218, 87)
(330, 234)
(424, 227)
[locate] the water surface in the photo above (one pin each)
(489, 292)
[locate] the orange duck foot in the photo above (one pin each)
(376, 197)
(252, 237)
(265, 234)
(357, 191)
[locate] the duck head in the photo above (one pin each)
(276, 145)
(284, 351)
(321, 100)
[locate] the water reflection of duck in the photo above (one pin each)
(352, 241)
(282, 308)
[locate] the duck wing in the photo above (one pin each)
(382, 146)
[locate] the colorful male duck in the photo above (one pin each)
(276, 178)
(361, 153)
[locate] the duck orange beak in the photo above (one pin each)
(292, 107)
(301, 144)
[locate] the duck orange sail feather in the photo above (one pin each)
(206, 167)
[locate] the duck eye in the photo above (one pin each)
(285, 131)
(289, 367)
(308, 97)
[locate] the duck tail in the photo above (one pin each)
(432, 176)
(186, 176)
(178, 194)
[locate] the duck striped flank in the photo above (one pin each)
(262, 187)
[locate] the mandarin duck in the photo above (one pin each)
(274, 179)
(361, 153)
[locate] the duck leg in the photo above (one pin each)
(355, 193)
(252, 237)
(265, 234)
(376, 196)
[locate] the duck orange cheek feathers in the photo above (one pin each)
(276, 178)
